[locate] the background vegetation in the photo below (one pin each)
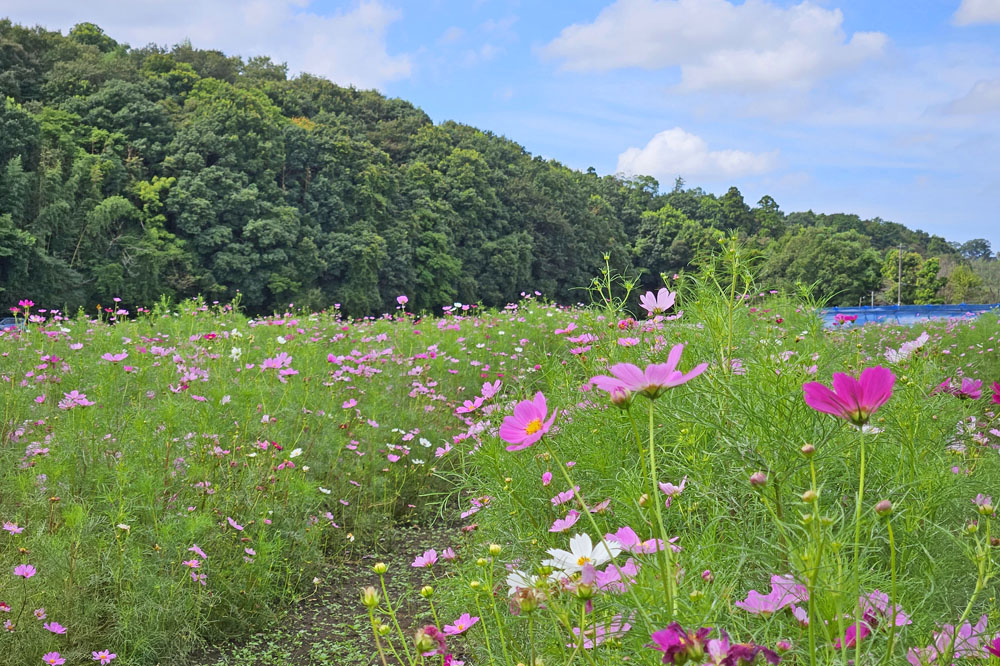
(140, 172)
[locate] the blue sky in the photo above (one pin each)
(886, 108)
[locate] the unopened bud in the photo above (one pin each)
(426, 591)
(369, 597)
(707, 576)
(783, 646)
(883, 508)
(495, 549)
(475, 584)
(380, 568)
(383, 629)
(696, 595)
(644, 499)
(621, 398)
(482, 562)
(809, 496)
(986, 509)
(584, 591)
(758, 479)
(807, 450)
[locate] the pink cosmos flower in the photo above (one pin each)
(852, 636)
(12, 527)
(527, 425)
(595, 635)
(461, 625)
(114, 358)
(841, 318)
(563, 524)
(197, 551)
(232, 523)
(55, 627)
(564, 496)
(449, 554)
(875, 609)
(428, 559)
(104, 656)
(4, 607)
(24, 571)
(651, 382)
(490, 390)
(854, 400)
(53, 659)
(656, 304)
(996, 392)
(402, 299)
(784, 592)
(546, 479)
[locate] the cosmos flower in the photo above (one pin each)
(527, 425)
(461, 625)
(582, 552)
(854, 400)
(658, 303)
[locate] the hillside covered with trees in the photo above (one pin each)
(141, 172)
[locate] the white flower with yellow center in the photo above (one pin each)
(581, 553)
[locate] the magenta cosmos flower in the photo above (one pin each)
(53, 658)
(651, 382)
(656, 304)
(527, 425)
(854, 400)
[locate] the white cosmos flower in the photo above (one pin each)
(324, 490)
(295, 454)
(281, 340)
(581, 553)
(517, 579)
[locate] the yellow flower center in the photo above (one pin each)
(533, 426)
(461, 627)
(582, 561)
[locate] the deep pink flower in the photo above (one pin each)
(854, 400)
(673, 641)
(429, 641)
(656, 304)
(651, 382)
(852, 636)
(461, 625)
(428, 559)
(527, 425)
(993, 647)
(840, 318)
(24, 571)
(996, 392)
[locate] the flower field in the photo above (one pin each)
(703, 475)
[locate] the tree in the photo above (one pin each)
(977, 248)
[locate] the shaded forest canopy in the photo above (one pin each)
(142, 172)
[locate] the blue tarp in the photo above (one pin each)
(907, 314)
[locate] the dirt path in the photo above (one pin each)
(330, 628)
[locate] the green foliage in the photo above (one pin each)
(148, 171)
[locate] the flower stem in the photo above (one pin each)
(857, 562)
(669, 581)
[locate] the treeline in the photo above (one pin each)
(141, 172)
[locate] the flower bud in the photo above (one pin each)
(810, 496)
(428, 640)
(482, 562)
(783, 646)
(807, 450)
(644, 499)
(883, 508)
(584, 591)
(696, 595)
(621, 397)
(369, 597)
(707, 576)
(758, 479)
(475, 584)
(986, 509)
(380, 568)
(495, 549)
(383, 629)
(426, 591)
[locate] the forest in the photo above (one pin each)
(141, 173)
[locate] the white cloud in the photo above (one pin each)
(977, 11)
(983, 98)
(675, 152)
(349, 47)
(717, 44)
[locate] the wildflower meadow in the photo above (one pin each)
(700, 474)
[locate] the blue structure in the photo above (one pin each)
(907, 314)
